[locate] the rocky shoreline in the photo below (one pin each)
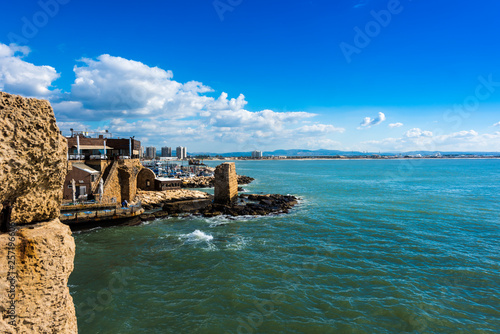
(208, 181)
(246, 205)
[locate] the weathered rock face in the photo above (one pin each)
(32, 159)
(38, 258)
(187, 206)
(44, 256)
(156, 199)
(226, 183)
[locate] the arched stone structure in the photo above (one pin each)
(146, 179)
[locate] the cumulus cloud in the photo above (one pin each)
(395, 125)
(20, 77)
(147, 102)
(128, 97)
(369, 122)
(114, 86)
(417, 133)
(496, 124)
(416, 139)
(319, 128)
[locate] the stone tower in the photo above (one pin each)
(226, 183)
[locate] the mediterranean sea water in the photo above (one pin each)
(399, 246)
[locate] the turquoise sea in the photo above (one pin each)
(399, 246)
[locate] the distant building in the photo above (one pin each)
(166, 151)
(141, 152)
(257, 155)
(150, 152)
(181, 153)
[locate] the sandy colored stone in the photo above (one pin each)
(32, 158)
(44, 256)
(157, 197)
(226, 183)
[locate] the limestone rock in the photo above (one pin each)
(44, 256)
(150, 199)
(32, 159)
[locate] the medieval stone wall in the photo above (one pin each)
(226, 183)
(143, 177)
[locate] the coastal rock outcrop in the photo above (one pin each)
(35, 259)
(44, 254)
(32, 159)
(253, 205)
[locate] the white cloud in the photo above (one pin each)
(369, 122)
(327, 144)
(417, 133)
(496, 124)
(395, 125)
(20, 77)
(320, 128)
(416, 140)
(146, 102)
(117, 87)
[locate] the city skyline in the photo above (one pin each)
(355, 75)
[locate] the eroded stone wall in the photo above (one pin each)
(37, 258)
(128, 170)
(44, 256)
(32, 158)
(226, 183)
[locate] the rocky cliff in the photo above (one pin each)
(36, 256)
(32, 158)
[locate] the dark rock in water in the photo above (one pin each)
(246, 205)
(187, 206)
(147, 217)
(160, 214)
(242, 179)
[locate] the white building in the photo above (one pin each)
(181, 153)
(256, 154)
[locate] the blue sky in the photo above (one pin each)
(238, 75)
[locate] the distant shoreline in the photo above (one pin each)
(357, 158)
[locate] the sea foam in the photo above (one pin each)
(198, 235)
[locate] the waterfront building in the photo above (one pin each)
(81, 176)
(166, 151)
(150, 152)
(95, 162)
(181, 153)
(84, 145)
(256, 154)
